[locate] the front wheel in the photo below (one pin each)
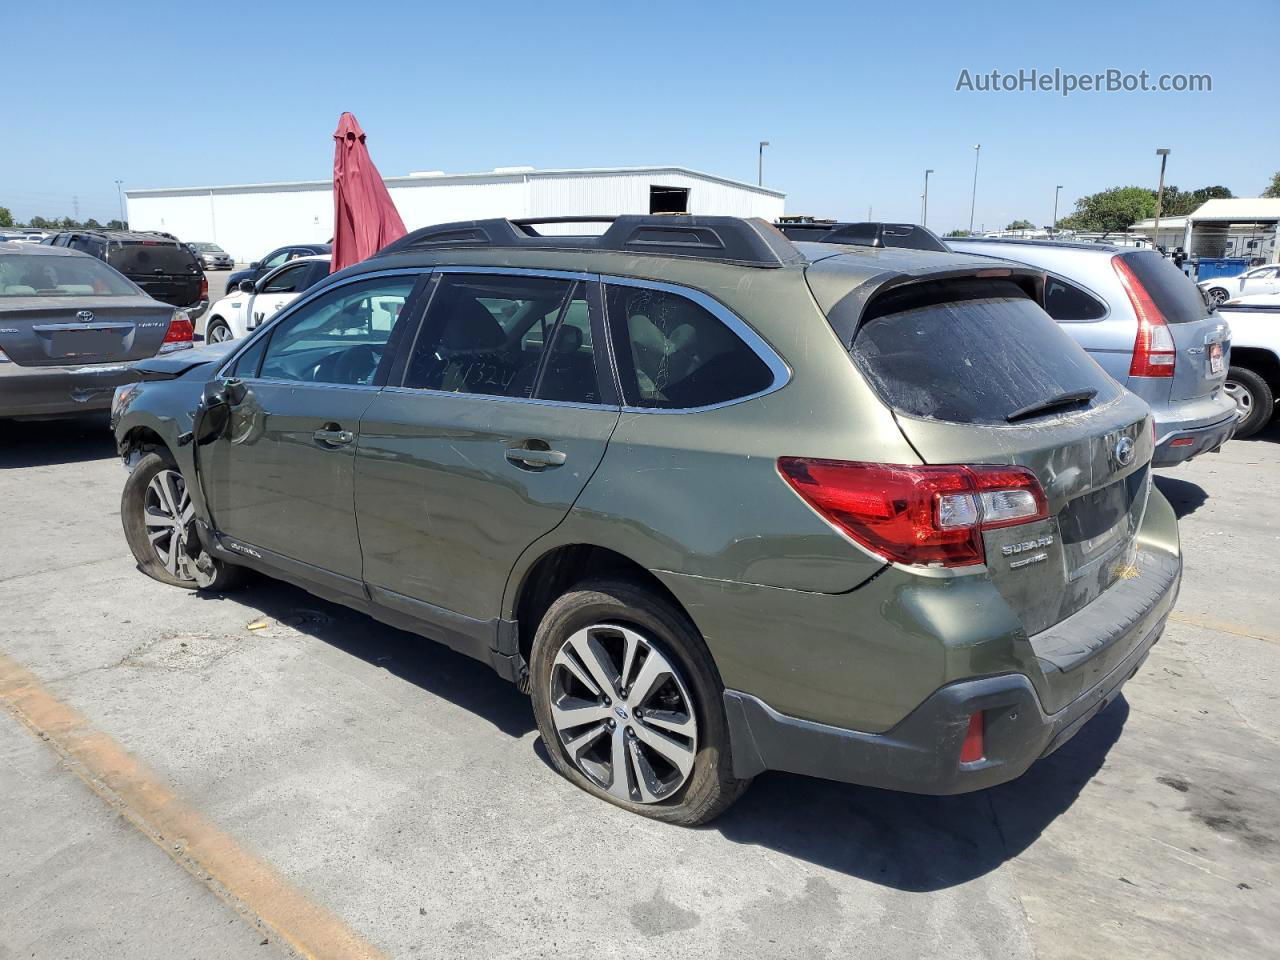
(159, 525)
(1253, 398)
(218, 332)
(630, 706)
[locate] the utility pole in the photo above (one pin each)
(924, 212)
(75, 207)
(1163, 154)
(977, 153)
(760, 164)
(120, 196)
(1055, 209)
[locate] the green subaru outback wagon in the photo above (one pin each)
(720, 502)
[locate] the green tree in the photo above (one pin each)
(1021, 225)
(6, 217)
(1179, 203)
(40, 223)
(958, 233)
(117, 225)
(1273, 189)
(92, 224)
(1111, 211)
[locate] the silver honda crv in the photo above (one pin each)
(1146, 324)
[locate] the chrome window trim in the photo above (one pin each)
(778, 368)
(520, 272)
(304, 298)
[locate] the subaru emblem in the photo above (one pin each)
(1124, 451)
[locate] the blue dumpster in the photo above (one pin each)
(1213, 267)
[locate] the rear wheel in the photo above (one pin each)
(159, 525)
(629, 704)
(1253, 398)
(1217, 296)
(219, 331)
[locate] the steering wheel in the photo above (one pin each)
(358, 364)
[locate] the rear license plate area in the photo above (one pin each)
(69, 344)
(1216, 365)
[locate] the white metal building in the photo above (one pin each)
(248, 220)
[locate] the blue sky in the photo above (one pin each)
(855, 99)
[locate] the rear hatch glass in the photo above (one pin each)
(977, 373)
(165, 270)
(974, 351)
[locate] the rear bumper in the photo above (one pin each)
(54, 391)
(1181, 443)
(921, 754)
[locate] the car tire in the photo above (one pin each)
(1253, 398)
(1218, 296)
(218, 331)
(153, 486)
(609, 617)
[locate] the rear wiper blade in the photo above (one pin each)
(1070, 398)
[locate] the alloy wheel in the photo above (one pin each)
(219, 333)
(1217, 297)
(1240, 394)
(168, 512)
(623, 713)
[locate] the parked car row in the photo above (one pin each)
(719, 501)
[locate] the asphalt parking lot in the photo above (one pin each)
(265, 774)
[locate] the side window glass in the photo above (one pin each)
(674, 353)
(488, 334)
(1067, 303)
(286, 281)
(246, 365)
(275, 259)
(338, 337)
(569, 370)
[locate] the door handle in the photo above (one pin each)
(535, 457)
(334, 437)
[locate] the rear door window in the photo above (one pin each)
(1174, 293)
(675, 354)
(972, 351)
(1067, 303)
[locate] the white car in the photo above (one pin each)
(1253, 379)
(1255, 280)
(245, 309)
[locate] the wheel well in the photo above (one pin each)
(558, 570)
(1262, 362)
(141, 440)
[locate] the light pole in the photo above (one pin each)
(1163, 154)
(1056, 191)
(924, 212)
(760, 164)
(977, 152)
(120, 197)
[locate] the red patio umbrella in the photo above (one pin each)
(364, 218)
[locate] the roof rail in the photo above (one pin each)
(747, 242)
(870, 233)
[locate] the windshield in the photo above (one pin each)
(207, 247)
(27, 275)
(149, 257)
(975, 352)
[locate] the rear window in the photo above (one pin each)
(972, 351)
(162, 258)
(24, 275)
(1174, 293)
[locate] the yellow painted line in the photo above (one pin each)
(1222, 626)
(254, 889)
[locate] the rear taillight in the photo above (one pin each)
(180, 334)
(926, 515)
(204, 287)
(1154, 353)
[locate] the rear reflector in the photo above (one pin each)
(975, 747)
(1182, 442)
(1154, 352)
(921, 515)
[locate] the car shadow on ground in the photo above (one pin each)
(899, 840)
(919, 843)
(1185, 497)
(35, 443)
(1270, 432)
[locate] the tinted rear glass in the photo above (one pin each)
(1171, 289)
(971, 351)
(151, 258)
(28, 275)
